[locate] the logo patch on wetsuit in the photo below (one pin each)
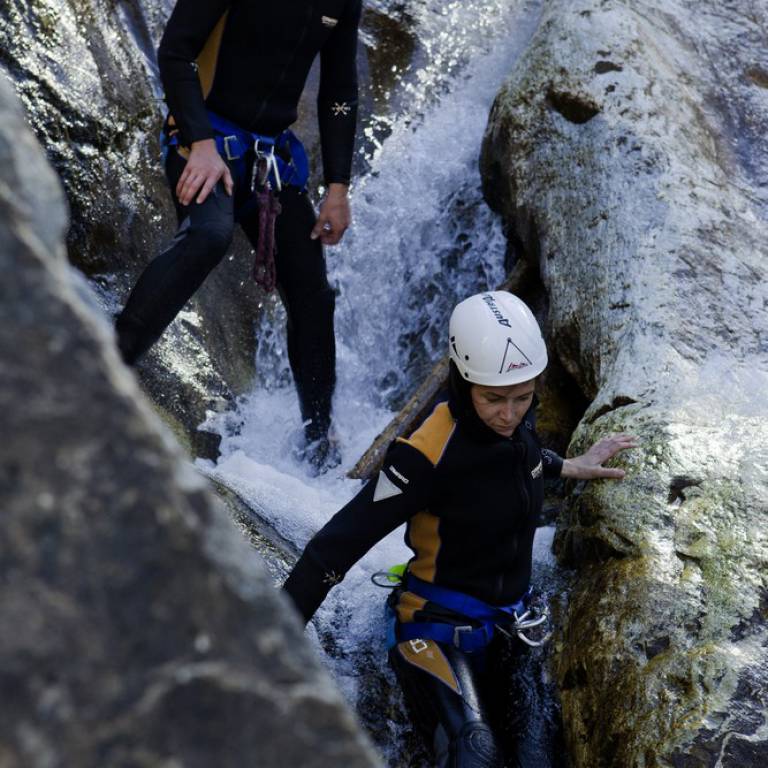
(340, 109)
(385, 488)
(537, 470)
(427, 656)
(328, 21)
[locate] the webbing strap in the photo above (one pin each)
(466, 605)
(465, 637)
(233, 144)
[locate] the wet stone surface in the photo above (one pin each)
(644, 221)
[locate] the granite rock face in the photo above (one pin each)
(627, 152)
(136, 627)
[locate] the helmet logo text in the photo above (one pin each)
(500, 319)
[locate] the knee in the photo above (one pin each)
(474, 746)
(211, 240)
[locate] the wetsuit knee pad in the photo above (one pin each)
(474, 746)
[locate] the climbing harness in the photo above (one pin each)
(513, 620)
(274, 163)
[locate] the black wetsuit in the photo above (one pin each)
(248, 61)
(471, 500)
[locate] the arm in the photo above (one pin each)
(381, 506)
(188, 28)
(552, 463)
(186, 32)
(337, 117)
(588, 466)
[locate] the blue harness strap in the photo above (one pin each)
(467, 638)
(234, 143)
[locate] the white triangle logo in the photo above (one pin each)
(385, 488)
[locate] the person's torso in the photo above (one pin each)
(255, 63)
(476, 534)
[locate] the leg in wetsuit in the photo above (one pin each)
(447, 692)
(201, 242)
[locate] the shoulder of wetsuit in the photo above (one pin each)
(434, 434)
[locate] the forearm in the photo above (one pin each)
(337, 97)
(342, 541)
(552, 463)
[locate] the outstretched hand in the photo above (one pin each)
(334, 216)
(589, 466)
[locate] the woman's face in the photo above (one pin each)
(502, 408)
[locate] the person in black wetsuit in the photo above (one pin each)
(468, 484)
(247, 63)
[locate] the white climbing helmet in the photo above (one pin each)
(495, 340)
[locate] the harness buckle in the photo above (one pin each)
(226, 140)
(457, 633)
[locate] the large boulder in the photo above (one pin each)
(136, 625)
(627, 153)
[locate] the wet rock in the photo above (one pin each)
(136, 625)
(640, 193)
(87, 77)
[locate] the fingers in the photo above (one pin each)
(317, 230)
(333, 220)
(610, 473)
(328, 232)
(205, 190)
(203, 170)
(229, 185)
(189, 183)
(330, 235)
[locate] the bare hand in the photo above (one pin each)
(588, 466)
(334, 217)
(202, 172)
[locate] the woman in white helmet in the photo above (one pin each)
(468, 483)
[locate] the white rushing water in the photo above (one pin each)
(422, 239)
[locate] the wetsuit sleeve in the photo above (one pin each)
(337, 97)
(186, 33)
(385, 502)
(552, 463)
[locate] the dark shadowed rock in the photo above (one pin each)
(136, 626)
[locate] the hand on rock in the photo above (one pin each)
(589, 466)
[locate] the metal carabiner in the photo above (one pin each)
(522, 623)
(263, 163)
